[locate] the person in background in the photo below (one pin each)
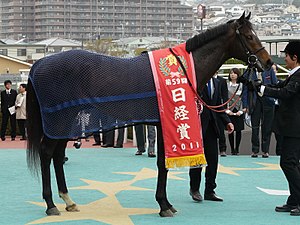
(109, 138)
(210, 133)
(8, 99)
(287, 124)
(236, 112)
(97, 139)
(140, 139)
(263, 114)
(224, 97)
(21, 110)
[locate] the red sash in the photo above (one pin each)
(181, 124)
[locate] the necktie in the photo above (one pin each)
(209, 89)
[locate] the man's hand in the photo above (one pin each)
(230, 128)
(243, 80)
(254, 85)
(257, 84)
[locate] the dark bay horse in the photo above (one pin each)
(210, 49)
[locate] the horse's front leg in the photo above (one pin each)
(166, 209)
(46, 153)
(58, 161)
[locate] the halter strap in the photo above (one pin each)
(252, 58)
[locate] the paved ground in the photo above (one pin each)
(17, 144)
(113, 186)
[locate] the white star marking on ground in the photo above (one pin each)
(274, 192)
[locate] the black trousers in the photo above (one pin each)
(97, 138)
(264, 113)
(238, 138)
(5, 116)
(290, 165)
(140, 137)
(222, 138)
(279, 140)
(21, 125)
(109, 137)
(211, 154)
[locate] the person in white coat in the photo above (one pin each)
(21, 110)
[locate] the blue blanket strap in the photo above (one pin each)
(84, 101)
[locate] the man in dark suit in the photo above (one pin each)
(8, 99)
(210, 131)
(224, 98)
(287, 124)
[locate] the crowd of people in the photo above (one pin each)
(13, 109)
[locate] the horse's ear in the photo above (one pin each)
(248, 17)
(242, 18)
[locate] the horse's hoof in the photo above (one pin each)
(53, 212)
(72, 208)
(173, 210)
(166, 213)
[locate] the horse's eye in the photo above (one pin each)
(249, 37)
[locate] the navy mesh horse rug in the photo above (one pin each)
(80, 92)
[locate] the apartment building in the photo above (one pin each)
(16, 19)
(91, 19)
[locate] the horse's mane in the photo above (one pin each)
(203, 38)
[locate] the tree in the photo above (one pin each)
(106, 47)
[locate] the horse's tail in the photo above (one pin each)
(34, 129)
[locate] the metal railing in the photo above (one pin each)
(16, 79)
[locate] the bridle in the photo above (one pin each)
(252, 60)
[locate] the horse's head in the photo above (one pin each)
(249, 48)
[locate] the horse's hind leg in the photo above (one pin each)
(58, 161)
(166, 209)
(46, 153)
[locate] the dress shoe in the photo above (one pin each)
(107, 146)
(118, 146)
(223, 154)
(3, 138)
(138, 152)
(96, 144)
(234, 153)
(285, 208)
(151, 155)
(196, 196)
(23, 139)
(212, 197)
(65, 160)
(296, 211)
(265, 155)
(13, 138)
(254, 155)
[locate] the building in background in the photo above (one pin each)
(36, 20)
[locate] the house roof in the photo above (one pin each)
(59, 42)
(15, 60)
(8, 41)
